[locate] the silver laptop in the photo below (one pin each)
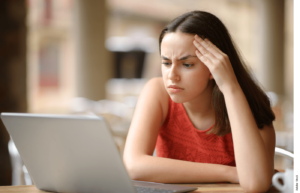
(66, 153)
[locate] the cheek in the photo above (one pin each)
(199, 79)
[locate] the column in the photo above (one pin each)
(270, 44)
(93, 60)
(13, 86)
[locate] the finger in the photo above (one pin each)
(205, 52)
(208, 46)
(203, 59)
(214, 46)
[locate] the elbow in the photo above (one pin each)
(133, 174)
(257, 185)
(132, 169)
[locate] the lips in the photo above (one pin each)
(174, 89)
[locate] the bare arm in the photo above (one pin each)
(253, 148)
(141, 165)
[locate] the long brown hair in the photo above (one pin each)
(206, 25)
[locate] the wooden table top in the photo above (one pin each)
(222, 187)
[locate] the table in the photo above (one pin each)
(220, 187)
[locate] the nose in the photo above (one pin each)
(173, 73)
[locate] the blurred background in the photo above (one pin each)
(94, 56)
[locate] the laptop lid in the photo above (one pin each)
(68, 153)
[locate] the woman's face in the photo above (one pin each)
(185, 76)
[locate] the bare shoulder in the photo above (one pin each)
(148, 117)
(156, 84)
(155, 90)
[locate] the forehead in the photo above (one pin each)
(177, 44)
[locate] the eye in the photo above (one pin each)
(166, 63)
(188, 65)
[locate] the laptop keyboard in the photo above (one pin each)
(151, 190)
(153, 187)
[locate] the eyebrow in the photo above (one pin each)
(182, 58)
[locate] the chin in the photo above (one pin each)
(177, 99)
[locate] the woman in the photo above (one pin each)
(206, 117)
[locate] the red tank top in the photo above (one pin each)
(179, 139)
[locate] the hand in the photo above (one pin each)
(217, 62)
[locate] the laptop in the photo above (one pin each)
(68, 153)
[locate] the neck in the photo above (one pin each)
(202, 104)
(200, 109)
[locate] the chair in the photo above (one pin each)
(284, 153)
(20, 175)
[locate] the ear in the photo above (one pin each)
(211, 77)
